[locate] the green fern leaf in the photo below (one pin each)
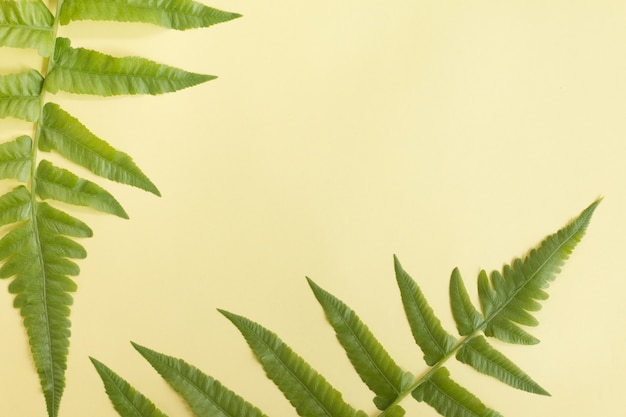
(83, 71)
(19, 95)
(449, 398)
(62, 185)
(205, 396)
(39, 257)
(507, 298)
(484, 358)
(15, 159)
(394, 411)
(127, 401)
(174, 14)
(26, 24)
(427, 331)
(15, 205)
(371, 361)
(38, 245)
(55, 221)
(466, 316)
(309, 393)
(66, 135)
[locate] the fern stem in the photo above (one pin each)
(47, 66)
(54, 392)
(433, 369)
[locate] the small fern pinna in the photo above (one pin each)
(41, 243)
(507, 300)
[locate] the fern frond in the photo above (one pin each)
(371, 361)
(83, 71)
(65, 134)
(62, 185)
(19, 95)
(38, 246)
(126, 400)
(309, 392)
(312, 396)
(173, 14)
(508, 298)
(26, 24)
(205, 396)
(427, 331)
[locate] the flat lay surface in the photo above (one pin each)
(338, 134)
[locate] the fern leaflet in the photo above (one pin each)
(173, 14)
(27, 24)
(308, 391)
(204, 395)
(19, 95)
(126, 400)
(375, 367)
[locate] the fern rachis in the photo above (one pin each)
(507, 299)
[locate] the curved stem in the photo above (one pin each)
(426, 376)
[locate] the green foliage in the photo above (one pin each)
(126, 400)
(40, 241)
(27, 24)
(508, 299)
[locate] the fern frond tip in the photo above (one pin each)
(592, 207)
(508, 298)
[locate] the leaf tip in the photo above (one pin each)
(235, 319)
(313, 285)
(95, 362)
(586, 214)
(396, 264)
(225, 313)
(143, 351)
(592, 207)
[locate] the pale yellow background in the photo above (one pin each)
(451, 133)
